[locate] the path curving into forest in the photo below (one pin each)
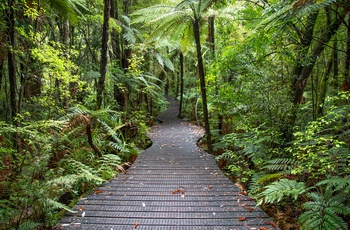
(172, 185)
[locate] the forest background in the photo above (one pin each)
(82, 80)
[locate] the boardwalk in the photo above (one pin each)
(172, 185)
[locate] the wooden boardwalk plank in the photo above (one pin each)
(172, 185)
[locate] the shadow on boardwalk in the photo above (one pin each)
(171, 185)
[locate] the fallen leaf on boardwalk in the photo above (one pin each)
(98, 191)
(242, 218)
(136, 225)
(262, 228)
(81, 208)
(179, 191)
(250, 209)
(242, 205)
(210, 186)
(272, 223)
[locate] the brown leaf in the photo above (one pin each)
(81, 208)
(136, 225)
(262, 228)
(250, 209)
(272, 223)
(210, 186)
(98, 191)
(242, 205)
(243, 218)
(179, 191)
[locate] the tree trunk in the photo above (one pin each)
(300, 79)
(211, 36)
(322, 87)
(104, 54)
(347, 59)
(1, 70)
(181, 83)
(201, 73)
(10, 20)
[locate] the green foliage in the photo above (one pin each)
(323, 211)
(321, 148)
(238, 167)
(278, 190)
(57, 163)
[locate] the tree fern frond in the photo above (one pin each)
(279, 15)
(187, 39)
(168, 63)
(313, 7)
(150, 13)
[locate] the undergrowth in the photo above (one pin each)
(304, 184)
(57, 161)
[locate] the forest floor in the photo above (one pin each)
(172, 185)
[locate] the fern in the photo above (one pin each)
(281, 164)
(28, 225)
(52, 204)
(338, 184)
(322, 212)
(278, 190)
(84, 171)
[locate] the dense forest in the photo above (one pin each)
(81, 81)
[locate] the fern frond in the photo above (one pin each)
(150, 13)
(276, 191)
(52, 204)
(66, 181)
(339, 183)
(111, 159)
(323, 210)
(281, 164)
(28, 225)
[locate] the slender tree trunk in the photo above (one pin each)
(104, 53)
(181, 83)
(201, 73)
(10, 20)
(335, 64)
(11, 62)
(323, 87)
(1, 72)
(211, 36)
(347, 59)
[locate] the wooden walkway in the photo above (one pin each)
(172, 185)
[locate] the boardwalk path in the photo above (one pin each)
(171, 185)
